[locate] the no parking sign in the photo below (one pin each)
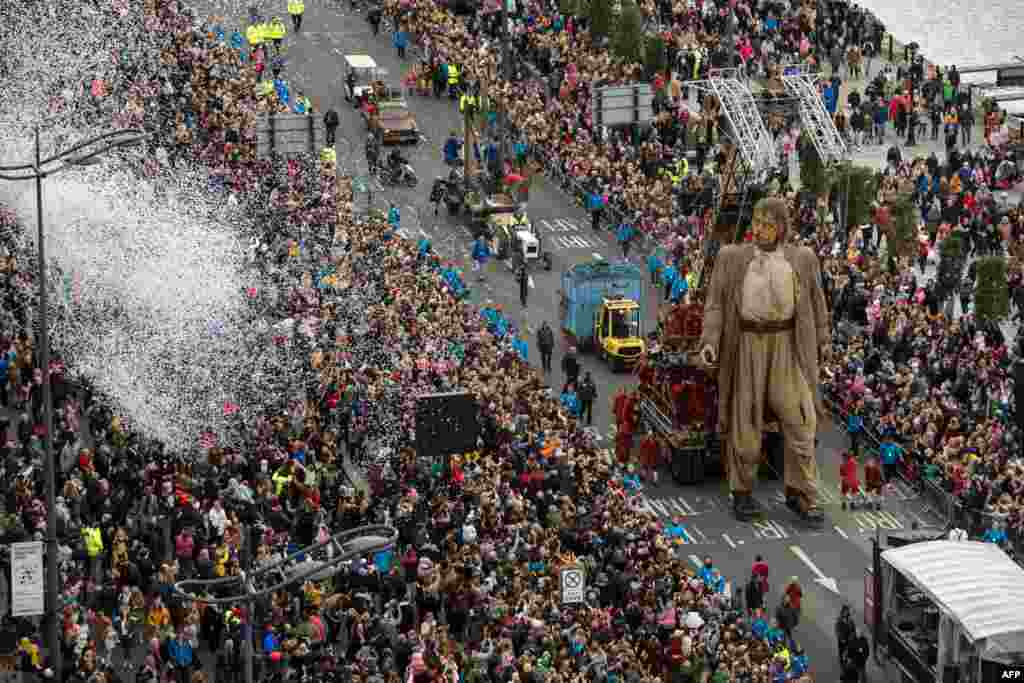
(572, 583)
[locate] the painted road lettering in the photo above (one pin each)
(565, 233)
(868, 520)
(769, 529)
(669, 507)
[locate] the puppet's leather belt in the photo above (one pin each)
(767, 327)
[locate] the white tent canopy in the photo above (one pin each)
(976, 584)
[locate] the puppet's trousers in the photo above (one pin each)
(768, 379)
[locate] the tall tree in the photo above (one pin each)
(813, 174)
(901, 233)
(601, 18)
(629, 38)
(655, 57)
(992, 291)
(859, 184)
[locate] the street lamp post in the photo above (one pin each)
(37, 171)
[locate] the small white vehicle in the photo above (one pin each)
(360, 72)
(512, 235)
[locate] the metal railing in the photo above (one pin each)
(955, 512)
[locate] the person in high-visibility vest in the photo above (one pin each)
(296, 8)
(277, 32)
(254, 36)
(282, 478)
(264, 89)
(467, 103)
(267, 34)
(453, 79)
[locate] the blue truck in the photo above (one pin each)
(602, 309)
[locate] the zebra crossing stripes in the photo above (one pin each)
(676, 506)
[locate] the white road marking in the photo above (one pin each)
(841, 532)
(868, 521)
(700, 533)
(819, 576)
(684, 508)
(670, 507)
(597, 256)
(529, 281)
(729, 541)
(770, 529)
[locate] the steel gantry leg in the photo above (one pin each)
(816, 120)
(749, 133)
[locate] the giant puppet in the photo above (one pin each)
(765, 321)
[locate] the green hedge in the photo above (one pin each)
(951, 247)
(992, 291)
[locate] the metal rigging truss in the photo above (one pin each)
(747, 129)
(818, 124)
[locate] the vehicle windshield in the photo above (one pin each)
(625, 323)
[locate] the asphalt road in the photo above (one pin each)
(840, 551)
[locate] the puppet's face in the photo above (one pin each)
(766, 232)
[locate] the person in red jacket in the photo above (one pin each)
(873, 481)
(649, 451)
(849, 479)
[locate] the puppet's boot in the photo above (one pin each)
(810, 513)
(744, 507)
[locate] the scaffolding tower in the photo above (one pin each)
(746, 128)
(802, 83)
(749, 150)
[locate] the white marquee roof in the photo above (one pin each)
(975, 583)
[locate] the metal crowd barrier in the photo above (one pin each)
(951, 509)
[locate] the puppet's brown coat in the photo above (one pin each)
(722, 319)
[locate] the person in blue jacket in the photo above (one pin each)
(394, 218)
(830, 98)
(996, 533)
(595, 205)
(423, 248)
(452, 149)
(624, 234)
(281, 88)
(180, 651)
(400, 40)
(891, 456)
(570, 401)
(5, 368)
(679, 288)
(654, 266)
(480, 254)
(670, 274)
(522, 349)
(855, 426)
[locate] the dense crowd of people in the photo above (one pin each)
(549, 104)
(929, 381)
(472, 588)
(471, 591)
(954, 368)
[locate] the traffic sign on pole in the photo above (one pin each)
(572, 584)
